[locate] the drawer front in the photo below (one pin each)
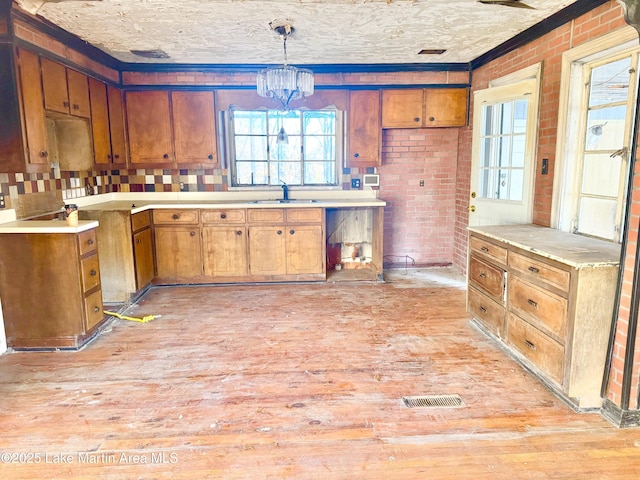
(90, 268)
(546, 309)
(140, 220)
(175, 217)
(490, 313)
(304, 215)
(87, 241)
(93, 310)
(488, 277)
(222, 217)
(489, 249)
(536, 269)
(540, 349)
(266, 215)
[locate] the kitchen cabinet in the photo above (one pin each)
(149, 128)
(547, 297)
(61, 271)
(107, 125)
(365, 130)
(424, 108)
(194, 128)
(178, 245)
(142, 248)
(224, 243)
(65, 90)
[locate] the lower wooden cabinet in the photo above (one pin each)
(547, 297)
(304, 247)
(267, 250)
(143, 252)
(178, 251)
(51, 289)
(224, 250)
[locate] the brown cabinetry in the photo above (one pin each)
(552, 309)
(178, 246)
(107, 125)
(51, 290)
(224, 243)
(142, 248)
(425, 107)
(149, 123)
(65, 90)
(194, 128)
(365, 131)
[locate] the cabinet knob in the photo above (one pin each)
(529, 344)
(90, 241)
(223, 216)
(210, 157)
(65, 104)
(193, 234)
(76, 106)
(356, 155)
(138, 240)
(533, 303)
(93, 273)
(175, 216)
(533, 269)
(239, 232)
(109, 156)
(44, 153)
(96, 309)
(279, 232)
(291, 232)
(117, 156)
(416, 119)
(431, 119)
(166, 155)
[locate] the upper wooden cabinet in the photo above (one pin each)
(365, 131)
(171, 128)
(425, 107)
(107, 124)
(65, 90)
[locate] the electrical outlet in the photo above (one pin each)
(422, 183)
(355, 183)
(182, 189)
(2, 204)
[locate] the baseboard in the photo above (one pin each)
(619, 417)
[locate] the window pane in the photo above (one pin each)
(520, 116)
(599, 218)
(320, 123)
(516, 184)
(605, 128)
(254, 123)
(319, 173)
(319, 148)
(251, 173)
(251, 148)
(505, 151)
(610, 83)
(488, 120)
(290, 121)
(485, 152)
(286, 152)
(287, 172)
(517, 152)
(506, 118)
(601, 175)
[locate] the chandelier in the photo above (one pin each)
(284, 83)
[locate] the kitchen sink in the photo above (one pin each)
(283, 201)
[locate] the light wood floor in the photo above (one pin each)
(297, 382)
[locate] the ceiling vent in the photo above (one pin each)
(432, 51)
(150, 53)
(507, 3)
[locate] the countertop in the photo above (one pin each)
(575, 250)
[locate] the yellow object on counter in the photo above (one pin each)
(144, 319)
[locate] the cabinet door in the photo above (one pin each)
(365, 130)
(78, 94)
(143, 255)
(100, 123)
(194, 127)
(402, 108)
(178, 251)
(149, 128)
(267, 250)
(304, 249)
(116, 126)
(33, 108)
(445, 107)
(225, 250)
(54, 84)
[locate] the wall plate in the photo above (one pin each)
(371, 180)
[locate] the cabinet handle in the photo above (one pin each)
(210, 157)
(109, 156)
(292, 232)
(483, 275)
(117, 156)
(431, 119)
(532, 303)
(166, 155)
(483, 310)
(484, 249)
(93, 273)
(416, 119)
(532, 346)
(65, 104)
(193, 234)
(96, 309)
(279, 232)
(239, 232)
(44, 153)
(533, 269)
(90, 241)
(76, 106)
(356, 155)
(175, 216)
(223, 216)
(138, 240)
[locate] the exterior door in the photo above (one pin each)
(503, 158)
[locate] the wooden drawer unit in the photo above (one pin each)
(90, 268)
(489, 278)
(175, 217)
(541, 271)
(484, 247)
(265, 215)
(546, 310)
(87, 241)
(304, 215)
(559, 302)
(140, 220)
(93, 309)
(540, 349)
(487, 311)
(222, 217)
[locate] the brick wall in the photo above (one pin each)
(419, 219)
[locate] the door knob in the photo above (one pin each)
(472, 208)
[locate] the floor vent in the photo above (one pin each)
(434, 401)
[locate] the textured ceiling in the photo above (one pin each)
(326, 31)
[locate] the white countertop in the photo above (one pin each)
(46, 226)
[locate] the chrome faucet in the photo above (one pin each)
(285, 191)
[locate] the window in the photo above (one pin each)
(309, 157)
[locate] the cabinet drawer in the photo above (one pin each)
(489, 249)
(93, 310)
(547, 310)
(90, 268)
(87, 241)
(304, 215)
(140, 220)
(536, 269)
(266, 215)
(175, 217)
(541, 350)
(237, 215)
(490, 313)
(488, 277)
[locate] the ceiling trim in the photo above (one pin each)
(393, 86)
(538, 30)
